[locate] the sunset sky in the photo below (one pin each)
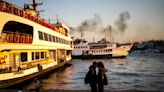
(145, 22)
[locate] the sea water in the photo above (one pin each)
(138, 71)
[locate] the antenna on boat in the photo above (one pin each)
(57, 19)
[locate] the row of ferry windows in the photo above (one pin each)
(35, 56)
(38, 55)
(95, 51)
(80, 47)
(51, 38)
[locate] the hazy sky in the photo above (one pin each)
(146, 20)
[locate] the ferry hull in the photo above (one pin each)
(10, 82)
(96, 56)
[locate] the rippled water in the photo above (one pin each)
(139, 71)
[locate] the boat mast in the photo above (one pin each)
(110, 33)
(34, 6)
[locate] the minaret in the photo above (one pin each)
(93, 39)
(110, 33)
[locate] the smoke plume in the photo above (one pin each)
(93, 27)
(89, 24)
(121, 22)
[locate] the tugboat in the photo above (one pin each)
(29, 46)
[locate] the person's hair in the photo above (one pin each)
(94, 63)
(100, 65)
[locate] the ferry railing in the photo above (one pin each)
(15, 37)
(14, 9)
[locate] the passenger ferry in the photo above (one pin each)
(29, 46)
(101, 49)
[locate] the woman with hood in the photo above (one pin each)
(101, 77)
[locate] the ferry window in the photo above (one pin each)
(49, 37)
(24, 56)
(36, 55)
(13, 27)
(56, 39)
(53, 38)
(45, 37)
(59, 40)
(42, 54)
(40, 35)
(33, 56)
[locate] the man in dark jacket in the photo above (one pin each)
(91, 77)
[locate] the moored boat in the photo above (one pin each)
(101, 49)
(29, 46)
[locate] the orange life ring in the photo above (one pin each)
(30, 39)
(18, 12)
(2, 60)
(26, 16)
(29, 16)
(9, 9)
(36, 20)
(1, 6)
(32, 18)
(22, 39)
(26, 39)
(8, 37)
(15, 11)
(16, 39)
(21, 13)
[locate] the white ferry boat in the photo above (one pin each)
(29, 46)
(102, 49)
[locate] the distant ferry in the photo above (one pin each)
(29, 46)
(101, 49)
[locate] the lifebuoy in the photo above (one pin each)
(8, 37)
(26, 16)
(2, 60)
(15, 11)
(1, 6)
(9, 9)
(32, 18)
(29, 16)
(36, 20)
(18, 12)
(22, 39)
(16, 39)
(21, 13)
(30, 39)
(26, 39)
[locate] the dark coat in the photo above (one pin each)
(91, 75)
(101, 77)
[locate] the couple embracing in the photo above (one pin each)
(95, 79)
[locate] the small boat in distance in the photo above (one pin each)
(29, 46)
(101, 49)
